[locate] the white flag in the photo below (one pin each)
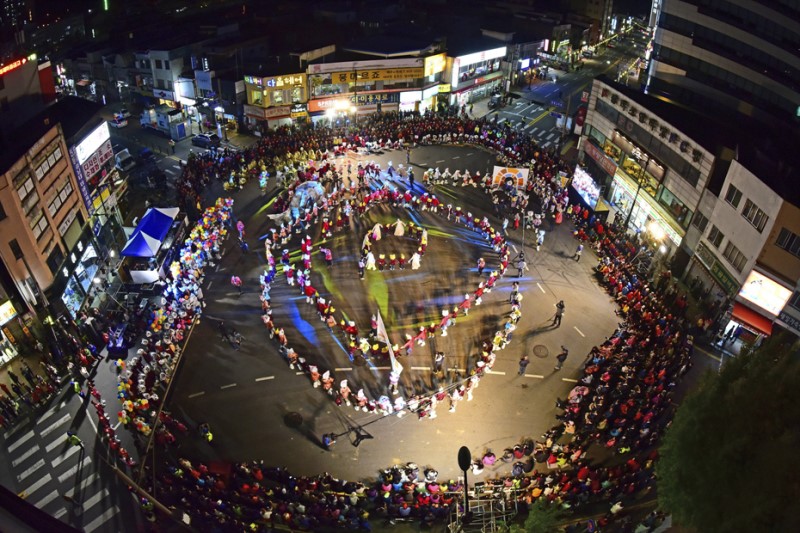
(383, 336)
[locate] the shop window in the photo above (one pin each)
(735, 257)
(277, 97)
(297, 94)
(676, 208)
(612, 150)
(255, 97)
(733, 196)
(756, 216)
(789, 241)
(595, 134)
(715, 236)
(699, 221)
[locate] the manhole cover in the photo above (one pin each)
(293, 419)
(540, 350)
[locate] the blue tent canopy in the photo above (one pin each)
(157, 221)
(141, 245)
(150, 232)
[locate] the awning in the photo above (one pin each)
(751, 319)
(141, 245)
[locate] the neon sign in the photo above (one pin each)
(13, 66)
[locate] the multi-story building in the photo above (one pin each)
(736, 55)
(43, 218)
(718, 197)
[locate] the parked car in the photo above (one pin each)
(124, 160)
(495, 101)
(123, 113)
(206, 140)
(118, 122)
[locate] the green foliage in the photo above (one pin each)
(542, 517)
(730, 461)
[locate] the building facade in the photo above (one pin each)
(737, 55)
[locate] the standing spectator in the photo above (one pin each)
(523, 364)
(521, 265)
(561, 358)
(578, 253)
(559, 313)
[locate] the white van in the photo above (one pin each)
(125, 160)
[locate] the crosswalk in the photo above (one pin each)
(60, 479)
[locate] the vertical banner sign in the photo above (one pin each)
(81, 177)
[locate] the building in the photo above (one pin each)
(736, 55)
(20, 94)
(43, 217)
(718, 199)
(15, 13)
(474, 67)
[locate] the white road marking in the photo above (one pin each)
(228, 386)
(196, 394)
(25, 438)
(94, 500)
(534, 376)
(21, 459)
(168, 171)
(61, 512)
(73, 469)
(381, 368)
(65, 455)
(457, 369)
(53, 410)
(100, 520)
(49, 429)
(579, 331)
(36, 466)
(82, 484)
(440, 161)
(551, 136)
(469, 153)
(496, 372)
(299, 373)
(345, 369)
(569, 380)
(265, 378)
(176, 166)
(545, 145)
(21, 423)
(38, 485)
(55, 444)
(457, 157)
(540, 286)
(534, 129)
(47, 499)
(209, 285)
(514, 246)
(420, 368)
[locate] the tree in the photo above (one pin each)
(730, 460)
(543, 517)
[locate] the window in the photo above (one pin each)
(166, 64)
(788, 241)
(794, 301)
(158, 64)
(733, 196)
(736, 258)
(699, 221)
(15, 249)
(756, 216)
(715, 236)
(277, 97)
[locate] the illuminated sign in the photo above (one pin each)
(7, 312)
(525, 64)
(278, 82)
(410, 97)
(444, 88)
(14, 65)
(765, 293)
(92, 142)
(583, 183)
(324, 104)
(477, 57)
(430, 92)
(435, 64)
(377, 75)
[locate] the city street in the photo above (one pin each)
(256, 384)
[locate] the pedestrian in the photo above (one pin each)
(514, 292)
(240, 228)
(13, 376)
(205, 432)
(481, 266)
(236, 281)
(523, 364)
(223, 330)
(561, 358)
(408, 156)
(361, 265)
(244, 246)
(235, 338)
(539, 239)
(521, 265)
(505, 226)
(328, 256)
(328, 440)
(172, 145)
(410, 179)
(559, 313)
(578, 253)
(438, 362)
(73, 439)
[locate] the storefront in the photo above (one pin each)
(343, 109)
(476, 76)
(600, 169)
(759, 302)
(73, 282)
(7, 349)
(299, 113)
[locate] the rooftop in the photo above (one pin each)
(72, 113)
(391, 45)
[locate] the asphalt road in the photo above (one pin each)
(245, 395)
